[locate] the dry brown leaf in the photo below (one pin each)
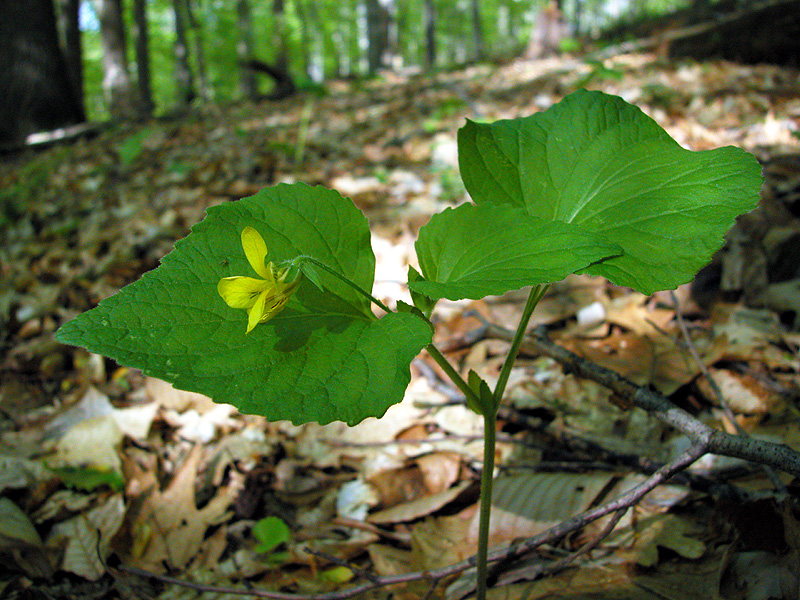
(169, 529)
(440, 470)
(20, 542)
(667, 531)
(442, 541)
(420, 507)
(86, 538)
(632, 312)
(398, 486)
(526, 505)
(742, 392)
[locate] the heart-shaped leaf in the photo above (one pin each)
(475, 251)
(324, 357)
(599, 162)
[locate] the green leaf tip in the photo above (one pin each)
(598, 162)
(323, 357)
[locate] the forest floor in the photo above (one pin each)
(104, 469)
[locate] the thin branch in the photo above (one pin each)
(692, 348)
(624, 501)
(554, 533)
(779, 456)
(705, 440)
(723, 401)
(540, 569)
(342, 563)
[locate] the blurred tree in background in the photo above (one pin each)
(37, 85)
(187, 51)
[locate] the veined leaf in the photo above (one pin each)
(598, 162)
(475, 251)
(324, 357)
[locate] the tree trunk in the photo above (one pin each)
(244, 49)
(279, 36)
(71, 44)
(199, 51)
(183, 71)
(430, 35)
(378, 20)
(548, 30)
(121, 94)
(477, 31)
(35, 91)
(284, 84)
(142, 40)
(307, 42)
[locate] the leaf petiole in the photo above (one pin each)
(535, 296)
(455, 376)
(360, 290)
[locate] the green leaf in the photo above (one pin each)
(485, 403)
(337, 575)
(475, 251)
(309, 271)
(324, 357)
(598, 162)
(270, 532)
(89, 478)
(421, 301)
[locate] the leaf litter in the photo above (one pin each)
(398, 494)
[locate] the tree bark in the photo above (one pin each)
(199, 51)
(35, 91)
(244, 49)
(430, 35)
(142, 41)
(281, 62)
(279, 70)
(378, 19)
(284, 84)
(548, 30)
(183, 71)
(121, 94)
(477, 31)
(71, 44)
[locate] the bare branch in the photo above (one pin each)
(779, 456)
(557, 532)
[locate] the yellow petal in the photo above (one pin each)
(255, 249)
(241, 292)
(256, 312)
(273, 305)
(271, 271)
(287, 289)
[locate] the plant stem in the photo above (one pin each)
(353, 285)
(490, 438)
(454, 375)
(537, 292)
(487, 479)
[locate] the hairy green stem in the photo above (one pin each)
(537, 292)
(353, 285)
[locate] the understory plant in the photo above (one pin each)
(267, 303)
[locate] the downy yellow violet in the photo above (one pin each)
(261, 298)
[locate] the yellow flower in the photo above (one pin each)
(261, 298)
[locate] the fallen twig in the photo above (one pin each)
(721, 399)
(553, 534)
(779, 456)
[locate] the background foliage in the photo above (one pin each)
(327, 39)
